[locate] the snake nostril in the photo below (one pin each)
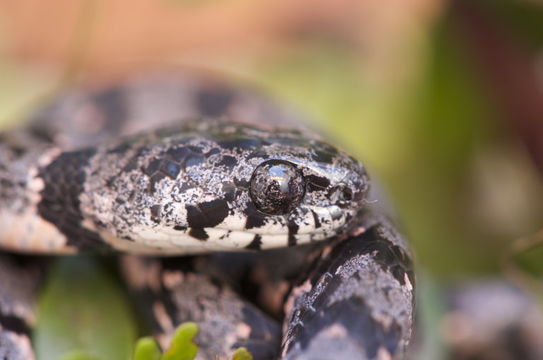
(341, 194)
(347, 194)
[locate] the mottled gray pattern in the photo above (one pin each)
(145, 189)
(360, 294)
(226, 321)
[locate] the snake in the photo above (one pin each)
(223, 206)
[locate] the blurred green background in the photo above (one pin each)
(443, 101)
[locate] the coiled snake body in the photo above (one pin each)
(189, 165)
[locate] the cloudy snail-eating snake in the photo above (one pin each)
(189, 165)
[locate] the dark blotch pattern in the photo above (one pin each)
(207, 214)
(256, 243)
(390, 257)
(259, 154)
(64, 178)
(132, 164)
(323, 157)
(171, 168)
(171, 163)
(255, 218)
(228, 161)
(356, 317)
(292, 231)
(212, 152)
(241, 143)
(155, 179)
(14, 324)
(316, 183)
(155, 213)
(324, 152)
(153, 167)
(241, 183)
(230, 191)
(199, 233)
(178, 153)
(316, 219)
(394, 259)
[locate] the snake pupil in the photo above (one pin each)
(277, 187)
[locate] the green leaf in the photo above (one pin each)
(82, 314)
(182, 346)
(242, 354)
(147, 349)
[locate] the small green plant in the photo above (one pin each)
(182, 346)
(242, 354)
(147, 349)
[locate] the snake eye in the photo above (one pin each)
(277, 187)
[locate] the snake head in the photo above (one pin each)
(215, 185)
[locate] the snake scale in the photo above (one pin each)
(189, 164)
